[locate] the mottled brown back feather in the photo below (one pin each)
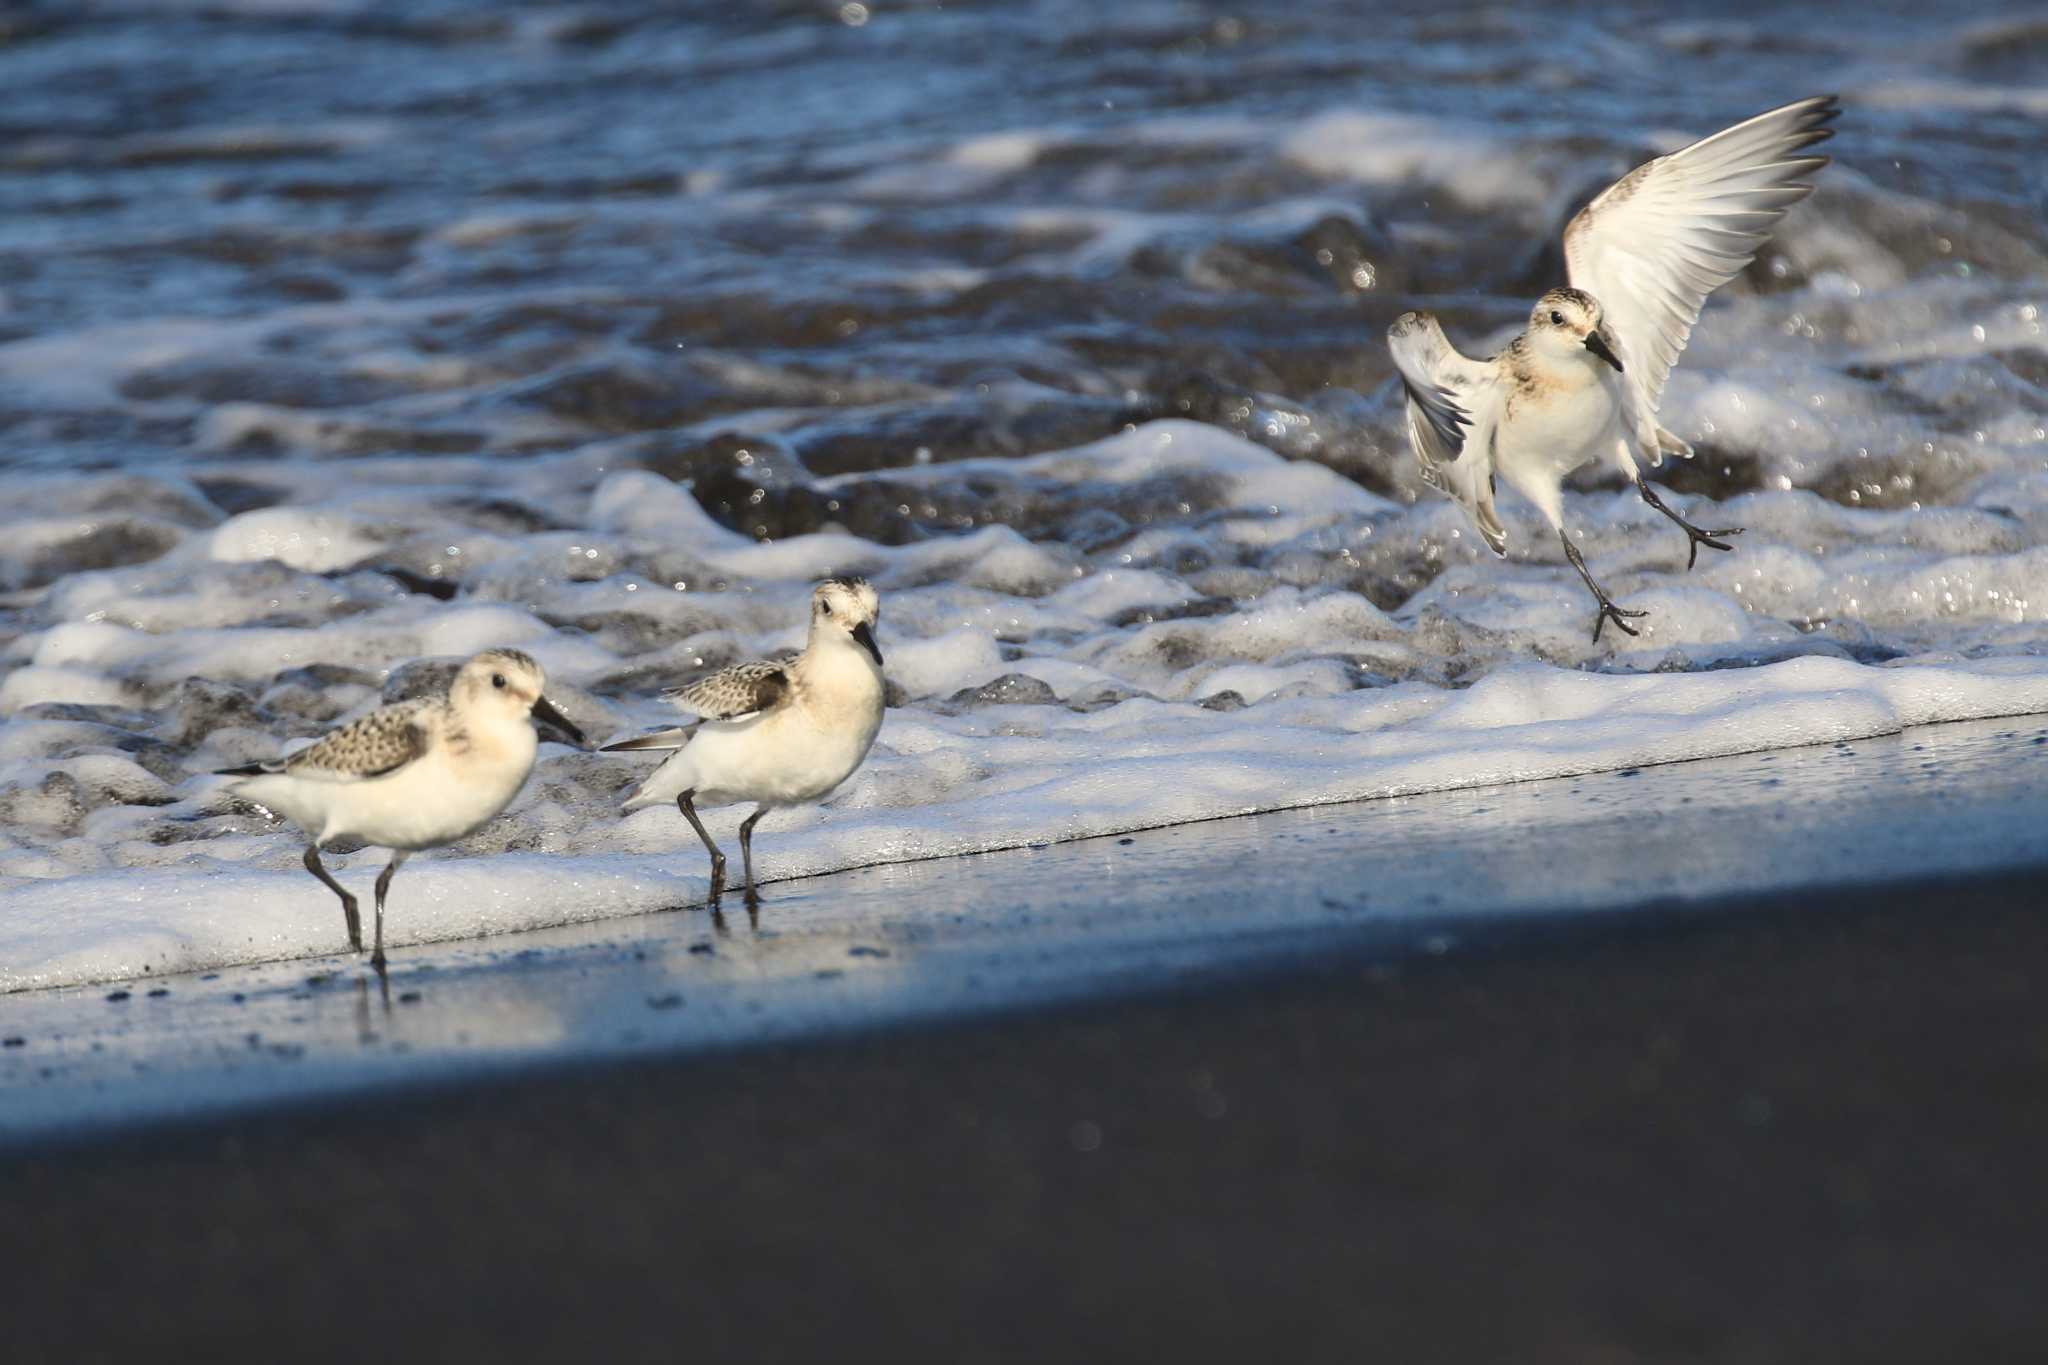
(734, 692)
(386, 739)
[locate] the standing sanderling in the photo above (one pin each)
(1585, 378)
(776, 733)
(414, 775)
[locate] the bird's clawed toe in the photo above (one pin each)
(1711, 539)
(1610, 612)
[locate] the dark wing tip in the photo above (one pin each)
(660, 739)
(246, 770)
(1445, 417)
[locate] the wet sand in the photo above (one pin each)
(1799, 1128)
(950, 939)
(1765, 1082)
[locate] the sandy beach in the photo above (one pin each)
(1757, 1092)
(1800, 1127)
(948, 939)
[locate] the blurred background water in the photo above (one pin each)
(908, 231)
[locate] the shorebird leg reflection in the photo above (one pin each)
(1698, 536)
(384, 885)
(747, 854)
(717, 859)
(364, 1033)
(348, 902)
(724, 930)
(1608, 611)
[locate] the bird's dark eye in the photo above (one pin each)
(824, 607)
(497, 680)
(1556, 318)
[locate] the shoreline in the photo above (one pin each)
(935, 943)
(1022, 781)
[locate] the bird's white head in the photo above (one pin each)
(504, 686)
(847, 608)
(1567, 324)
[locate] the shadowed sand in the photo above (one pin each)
(1803, 1128)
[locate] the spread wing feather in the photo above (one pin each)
(1452, 405)
(1657, 242)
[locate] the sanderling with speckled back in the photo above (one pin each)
(414, 775)
(1585, 379)
(777, 733)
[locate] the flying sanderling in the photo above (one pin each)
(414, 775)
(776, 733)
(1584, 380)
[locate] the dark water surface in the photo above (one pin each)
(954, 229)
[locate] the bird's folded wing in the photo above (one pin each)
(1672, 231)
(734, 693)
(384, 741)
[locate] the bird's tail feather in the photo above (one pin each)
(660, 739)
(1667, 444)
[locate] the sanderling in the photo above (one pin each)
(1585, 378)
(778, 733)
(414, 775)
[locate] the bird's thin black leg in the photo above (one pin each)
(717, 859)
(1608, 611)
(1698, 537)
(348, 902)
(384, 885)
(747, 854)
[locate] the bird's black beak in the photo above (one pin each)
(1596, 342)
(864, 636)
(545, 714)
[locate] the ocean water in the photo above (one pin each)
(341, 339)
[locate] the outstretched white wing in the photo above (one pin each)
(1453, 402)
(1672, 231)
